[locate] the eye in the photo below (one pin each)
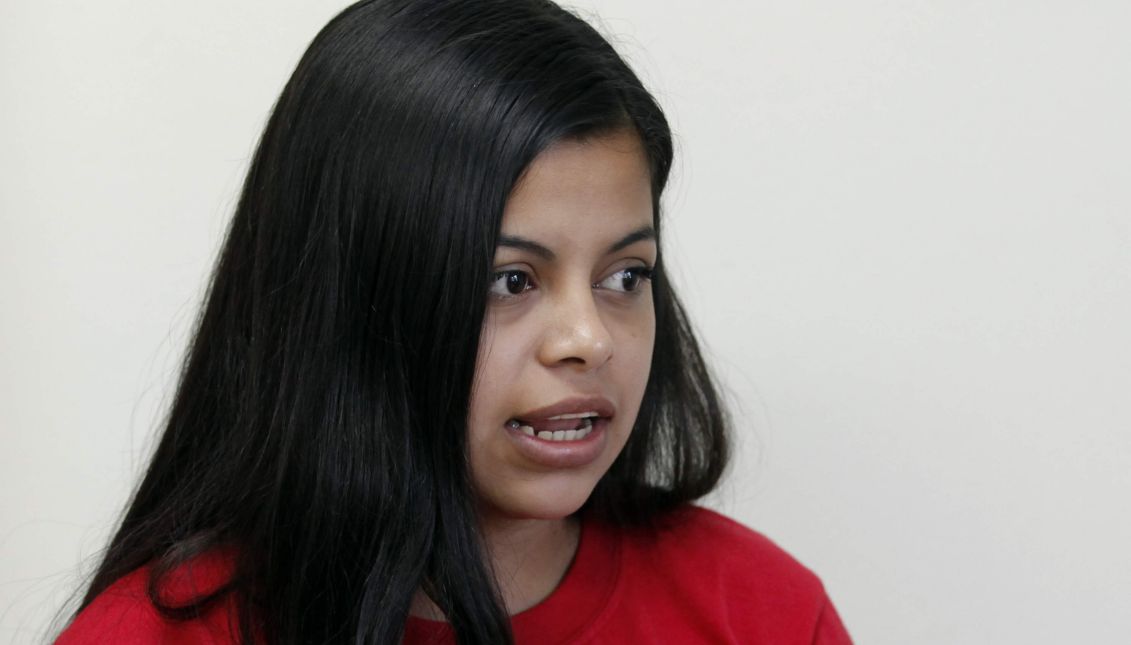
(626, 280)
(509, 284)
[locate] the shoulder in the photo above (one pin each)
(124, 613)
(695, 523)
(703, 540)
(720, 571)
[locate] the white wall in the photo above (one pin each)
(904, 230)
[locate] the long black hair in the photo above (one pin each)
(318, 427)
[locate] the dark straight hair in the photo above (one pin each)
(318, 428)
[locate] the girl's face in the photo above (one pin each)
(568, 335)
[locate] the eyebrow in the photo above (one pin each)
(516, 242)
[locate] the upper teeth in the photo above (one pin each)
(560, 435)
(574, 415)
(580, 432)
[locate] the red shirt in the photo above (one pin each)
(702, 579)
(124, 615)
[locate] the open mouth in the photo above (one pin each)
(563, 427)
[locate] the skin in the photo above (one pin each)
(581, 324)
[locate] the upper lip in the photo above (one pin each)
(573, 405)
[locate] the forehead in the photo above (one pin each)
(595, 185)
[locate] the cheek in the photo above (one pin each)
(499, 364)
(633, 357)
(636, 348)
(637, 336)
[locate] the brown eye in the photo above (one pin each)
(630, 280)
(508, 284)
(626, 280)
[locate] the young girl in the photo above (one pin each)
(441, 389)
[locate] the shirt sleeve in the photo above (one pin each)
(123, 614)
(115, 616)
(830, 630)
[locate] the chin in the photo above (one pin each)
(549, 497)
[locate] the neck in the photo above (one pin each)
(529, 559)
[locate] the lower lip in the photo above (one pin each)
(561, 454)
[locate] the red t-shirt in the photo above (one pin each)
(701, 579)
(124, 615)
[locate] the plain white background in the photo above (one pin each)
(903, 229)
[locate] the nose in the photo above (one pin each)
(575, 333)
